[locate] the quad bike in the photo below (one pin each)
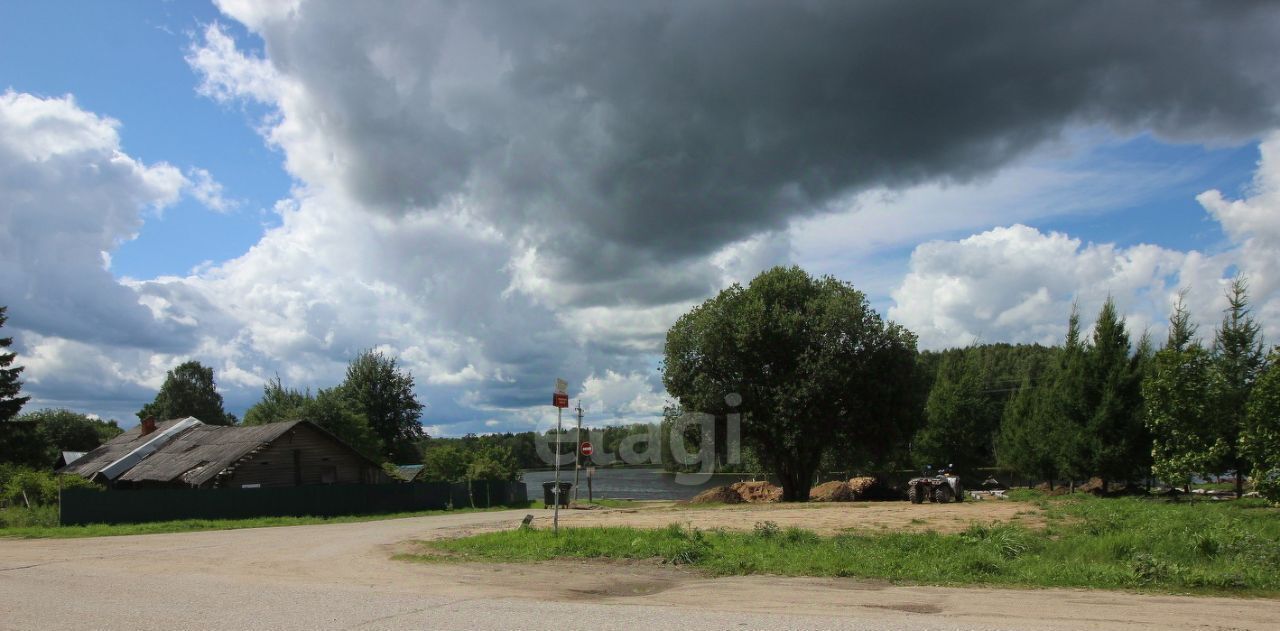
(941, 488)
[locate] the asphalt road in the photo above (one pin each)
(343, 576)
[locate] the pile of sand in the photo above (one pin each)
(836, 491)
(757, 492)
(717, 495)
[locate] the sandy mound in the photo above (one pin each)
(717, 495)
(757, 492)
(837, 491)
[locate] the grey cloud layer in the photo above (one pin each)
(628, 141)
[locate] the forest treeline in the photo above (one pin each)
(1106, 403)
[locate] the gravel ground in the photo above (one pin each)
(342, 576)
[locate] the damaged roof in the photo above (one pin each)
(194, 455)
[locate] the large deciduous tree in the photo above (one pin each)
(10, 387)
(329, 408)
(188, 390)
(384, 394)
(1237, 361)
(812, 363)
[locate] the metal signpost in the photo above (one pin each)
(584, 449)
(560, 399)
(577, 458)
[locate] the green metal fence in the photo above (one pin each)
(83, 506)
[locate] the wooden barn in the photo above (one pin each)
(185, 453)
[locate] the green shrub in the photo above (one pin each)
(20, 486)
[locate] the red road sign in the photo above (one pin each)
(586, 449)
(560, 400)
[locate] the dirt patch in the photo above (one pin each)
(822, 517)
(909, 607)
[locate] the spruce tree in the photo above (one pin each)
(10, 387)
(1176, 395)
(956, 430)
(1260, 440)
(1063, 410)
(1023, 444)
(1237, 361)
(1118, 443)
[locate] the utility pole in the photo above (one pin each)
(577, 452)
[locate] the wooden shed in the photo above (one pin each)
(185, 453)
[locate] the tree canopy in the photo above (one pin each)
(328, 408)
(378, 389)
(1238, 360)
(36, 439)
(810, 360)
(188, 390)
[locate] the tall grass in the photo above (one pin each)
(41, 522)
(1219, 548)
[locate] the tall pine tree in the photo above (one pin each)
(1237, 361)
(10, 387)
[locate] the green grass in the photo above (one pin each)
(1124, 543)
(36, 523)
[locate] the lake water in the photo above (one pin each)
(632, 483)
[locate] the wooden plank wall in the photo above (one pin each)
(322, 461)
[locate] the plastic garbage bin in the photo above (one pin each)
(549, 493)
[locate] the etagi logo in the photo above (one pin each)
(646, 447)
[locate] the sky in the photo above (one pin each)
(498, 195)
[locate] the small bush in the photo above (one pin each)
(766, 529)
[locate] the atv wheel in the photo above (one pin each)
(914, 494)
(942, 494)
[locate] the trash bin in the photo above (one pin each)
(549, 493)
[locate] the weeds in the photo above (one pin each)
(1120, 543)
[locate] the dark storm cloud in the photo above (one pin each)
(627, 140)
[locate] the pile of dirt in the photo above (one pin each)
(836, 491)
(717, 495)
(1094, 486)
(1060, 489)
(864, 487)
(757, 492)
